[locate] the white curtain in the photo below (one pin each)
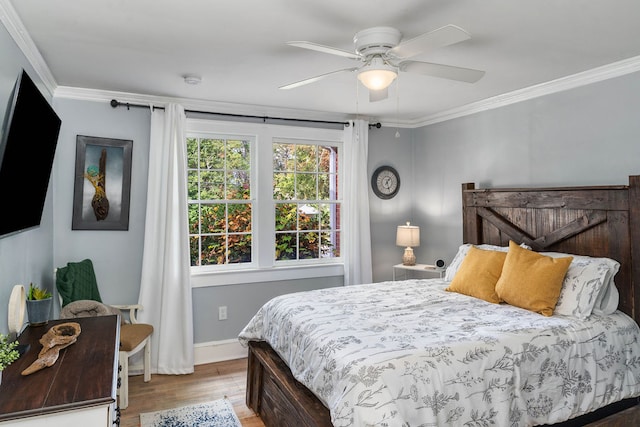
(358, 249)
(165, 291)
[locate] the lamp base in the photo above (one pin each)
(408, 258)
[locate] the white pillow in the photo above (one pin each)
(453, 268)
(587, 286)
(454, 265)
(607, 301)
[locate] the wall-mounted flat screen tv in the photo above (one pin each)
(28, 145)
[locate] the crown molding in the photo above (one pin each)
(616, 69)
(18, 32)
(204, 106)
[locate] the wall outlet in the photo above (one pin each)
(222, 312)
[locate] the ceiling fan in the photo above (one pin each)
(383, 55)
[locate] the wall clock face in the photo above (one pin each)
(385, 182)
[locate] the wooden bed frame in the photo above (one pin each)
(601, 221)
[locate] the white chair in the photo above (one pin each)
(79, 297)
(134, 337)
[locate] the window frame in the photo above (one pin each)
(264, 267)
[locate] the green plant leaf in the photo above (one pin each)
(36, 293)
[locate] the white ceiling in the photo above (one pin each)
(238, 47)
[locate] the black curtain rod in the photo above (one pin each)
(115, 103)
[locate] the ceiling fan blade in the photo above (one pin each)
(444, 36)
(315, 79)
(378, 95)
(324, 49)
(450, 72)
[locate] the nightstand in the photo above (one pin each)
(430, 270)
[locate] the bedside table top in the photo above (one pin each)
(417, 267)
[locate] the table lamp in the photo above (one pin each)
(408, 236)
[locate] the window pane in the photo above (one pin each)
(329, 216)
(213, 218)
(283, 186)
(239, 248)
(324, 188)
(214, 249)
(306, 160)
(239, 217)
(283, 157)
(328, 159)
(286, 246)
(238, 155)
(238, 185)
(308, 217)
(309, 245)
(194, 250)
(211, 185)
(330, 244)
(194, 218)
(192, 184)
(211, 154)
(192, 153)
(306, 186)
(286, 216)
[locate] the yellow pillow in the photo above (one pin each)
(530, 280)
(478, 274)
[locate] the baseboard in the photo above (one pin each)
(208, 352)
(218, 351)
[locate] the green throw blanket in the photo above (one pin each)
(77, 281)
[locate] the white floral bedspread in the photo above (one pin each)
(410, 354)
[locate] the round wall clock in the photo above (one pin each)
(385, 182)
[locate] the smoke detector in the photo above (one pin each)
(192, 79)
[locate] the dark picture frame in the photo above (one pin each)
(102, 183)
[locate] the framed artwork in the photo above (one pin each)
(102, 183)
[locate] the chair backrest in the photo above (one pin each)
(77, 281)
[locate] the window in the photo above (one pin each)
(263, 197)
(219, 193)
(307, 209)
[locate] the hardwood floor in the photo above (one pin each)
(217, 380)
(208, 382)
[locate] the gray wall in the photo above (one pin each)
(584, 136)
(386, 215)
(116, 255)
(25, 257)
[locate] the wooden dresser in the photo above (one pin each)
(78, 390)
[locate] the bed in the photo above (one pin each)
(598, 222)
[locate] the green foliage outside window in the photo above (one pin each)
(305, 183)
(307, 209)
(219, 192)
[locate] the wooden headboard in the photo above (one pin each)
(602, 221)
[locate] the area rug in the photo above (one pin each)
(218, 413)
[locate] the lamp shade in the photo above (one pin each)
(377, 74)
(408, 235)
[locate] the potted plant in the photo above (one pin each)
(38, 305)
(8, 353)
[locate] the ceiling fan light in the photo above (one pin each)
(377, 75)
(377, 79)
